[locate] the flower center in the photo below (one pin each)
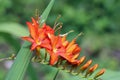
(38, 42)
(55, 50)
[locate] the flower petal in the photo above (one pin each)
(32, 30)
(28, 39)
(33, 46)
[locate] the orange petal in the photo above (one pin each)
(46, 45)
(34, 21)
(63, 38)
(70, 49)
(28, 39)
(77, 49)
(65, 43)
(53, 58)
(34, 45)
(71, 43)
(35, 24)
(32, 30)
(75, 56)
(48, 29)
(51, 37)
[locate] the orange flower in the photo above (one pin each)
(57, 48)
(38, 36)
(47, 29)
(61, 47)
(72, 51)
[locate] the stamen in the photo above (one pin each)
(37, 14)
(66, 33)
(55, 24)
(59, 29)
(81, 33)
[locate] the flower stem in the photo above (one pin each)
(2, 59)
(12, 57)
(56, 74)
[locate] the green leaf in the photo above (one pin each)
(13, 28)
(20, 65)
(32, 73)
(23, 58)
(9, 39)
(46, 12)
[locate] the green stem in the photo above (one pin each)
(12, 57)
(2, 59)
(56, 74)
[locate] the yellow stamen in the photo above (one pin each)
(55, 25)
(81, 33)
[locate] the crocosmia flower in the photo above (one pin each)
(58, 48)
(38, 35)
(72, 51)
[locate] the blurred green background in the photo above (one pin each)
(99, 20)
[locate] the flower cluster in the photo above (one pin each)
(57, 46)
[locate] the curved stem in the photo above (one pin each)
(56, 74)
(12, 57)
(2, 59)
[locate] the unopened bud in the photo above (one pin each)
(101, 72)
(91, 70)
(82, 59)
(84, 67)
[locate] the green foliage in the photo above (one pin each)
(23, 58)
(20, 65)
(99, 20)
(13, 28)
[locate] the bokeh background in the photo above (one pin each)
(99, 20)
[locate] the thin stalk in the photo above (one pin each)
(12, 57)
(3, 59)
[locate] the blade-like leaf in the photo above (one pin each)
(20, 65)
(13, 29)
(45, 14)
(32, 72)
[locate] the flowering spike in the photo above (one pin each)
(60, 50)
